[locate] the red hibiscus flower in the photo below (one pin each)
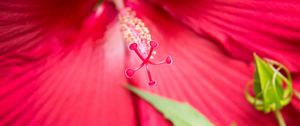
(63, 62)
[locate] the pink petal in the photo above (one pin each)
(24, 23)
(63, 76)
(296, 86)
(201, 74)
(269, 28)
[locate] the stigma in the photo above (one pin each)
(138, 37)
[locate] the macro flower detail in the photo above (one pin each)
(137, 35)
(62, 62)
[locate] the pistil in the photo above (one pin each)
(137, 35)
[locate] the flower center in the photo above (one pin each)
(137, 35)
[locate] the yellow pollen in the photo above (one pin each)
(134, 30)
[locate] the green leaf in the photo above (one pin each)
(180, 114)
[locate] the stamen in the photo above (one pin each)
(137, 35)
